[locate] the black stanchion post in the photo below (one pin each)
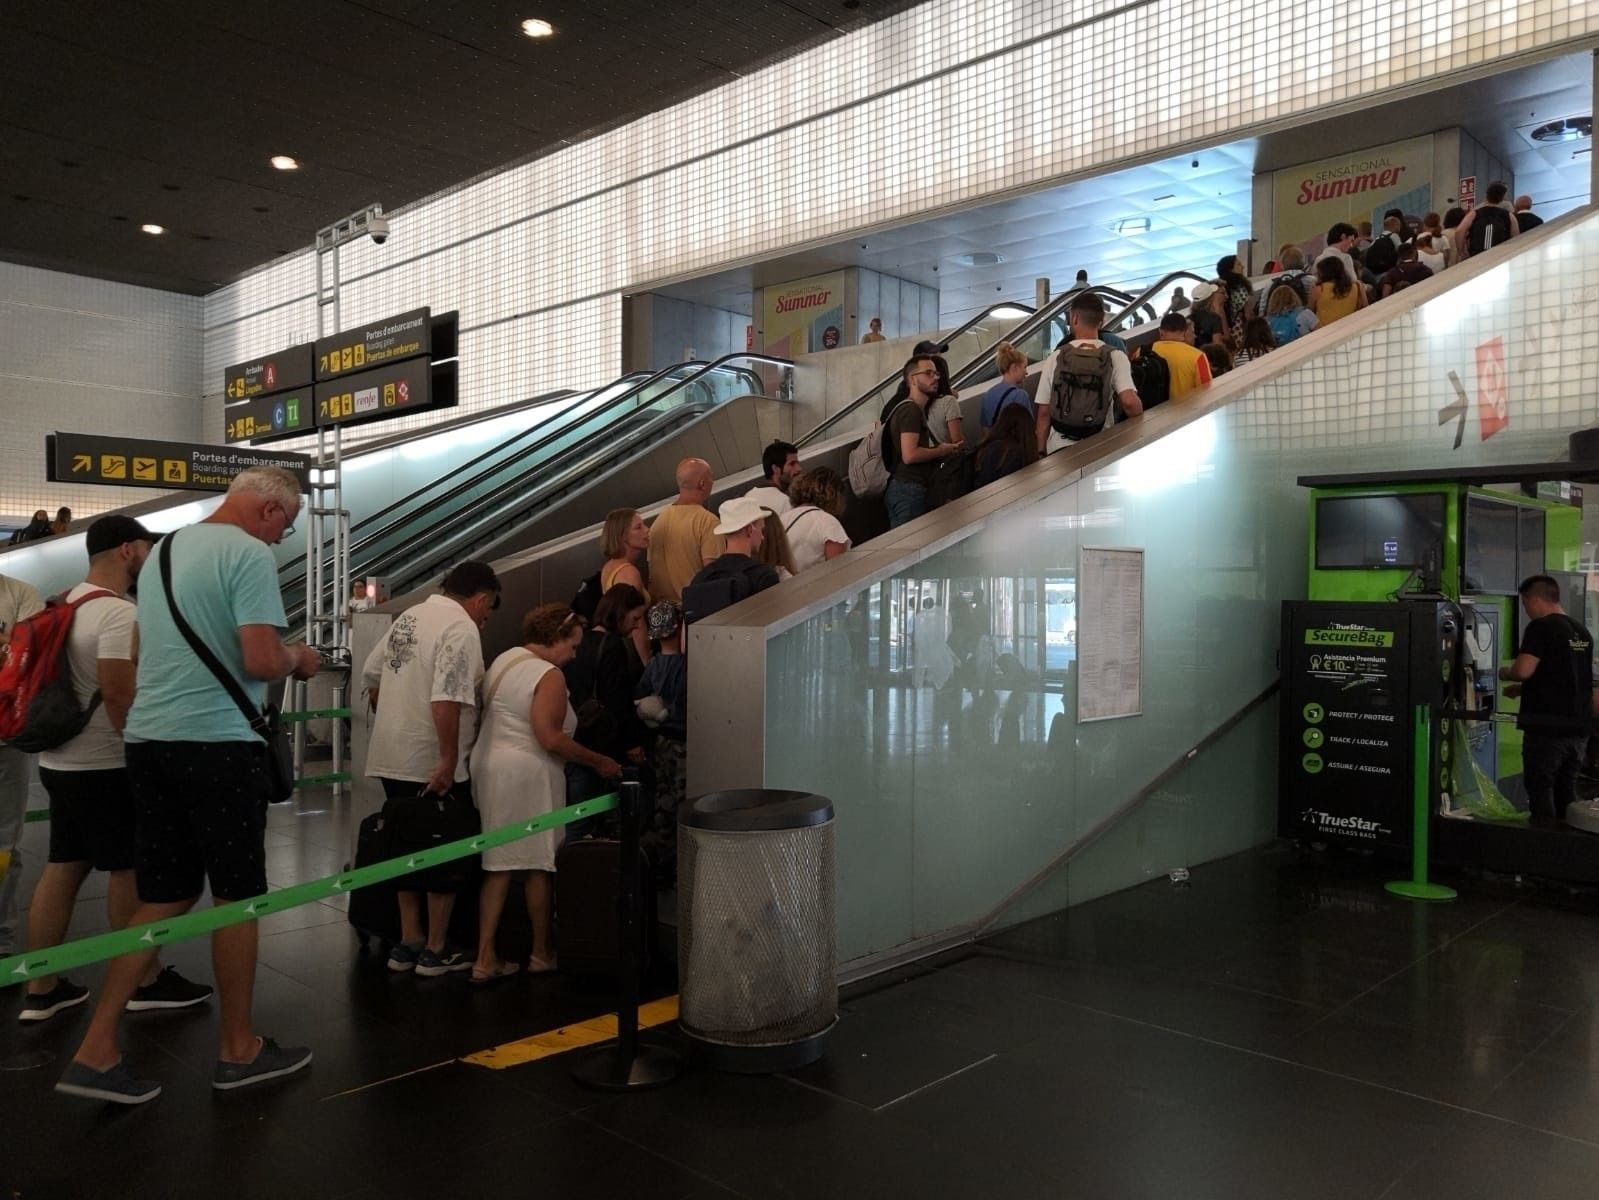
(624, 1066)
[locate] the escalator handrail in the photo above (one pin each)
(820, 429)
(466, 485)
(1142, 300)
(610, 451)
(640, 380)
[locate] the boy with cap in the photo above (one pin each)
(91, 805)
(662, 702)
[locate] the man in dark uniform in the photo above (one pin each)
(1555, 670)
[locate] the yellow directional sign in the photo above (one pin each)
(91, 458)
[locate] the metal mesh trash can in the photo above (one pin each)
(756, 945)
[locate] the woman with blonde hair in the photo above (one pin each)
(812, 524)
(519, 772)
(1012, 364)
(774, 549)
(624, 539)
(1287, 315)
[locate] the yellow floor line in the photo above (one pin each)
(569, 1037)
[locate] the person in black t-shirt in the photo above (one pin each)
(1555, 670)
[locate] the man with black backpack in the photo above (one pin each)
(1487, 225)
(1382, 255)
(736, 573)
(1081, 383)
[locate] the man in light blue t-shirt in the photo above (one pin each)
(197, 771)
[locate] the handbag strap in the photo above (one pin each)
(257, 718)
(499, 677)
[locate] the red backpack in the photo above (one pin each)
(39, 707)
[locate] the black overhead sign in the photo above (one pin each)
(408, 335)
(266, 418)
(390, 391)
(138, 462)
(280, 372)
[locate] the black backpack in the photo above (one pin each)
(712, 596)
(1151, 378)
(1382, 255)
(952, 478)
(1082, 390)
(587, 598)
(1489, 228)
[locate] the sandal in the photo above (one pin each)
(504, 971)
(540, 966)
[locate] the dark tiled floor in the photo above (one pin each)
(1276, 1028)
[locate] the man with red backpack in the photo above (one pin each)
(18, 602)
(85, 776)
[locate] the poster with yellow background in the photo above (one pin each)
(1310, 198)
(803, 316)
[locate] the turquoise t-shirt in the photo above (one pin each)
(222, 578)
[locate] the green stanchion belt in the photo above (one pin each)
(38, 814)
(312, 714)
(50, 961)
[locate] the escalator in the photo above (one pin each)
(512, 490)
(381, 476)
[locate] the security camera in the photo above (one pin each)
(377, 229)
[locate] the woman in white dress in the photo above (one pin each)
(519, 772)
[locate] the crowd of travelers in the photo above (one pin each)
(163, 783)
(156, 767)
(41, 526)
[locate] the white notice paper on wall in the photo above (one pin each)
(1110, 633)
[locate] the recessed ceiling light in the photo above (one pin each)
(153, 228)
(1167, 196)
(1130, 226)
(980, 258)
(535, 28)
(284, 162)
(1572, 129)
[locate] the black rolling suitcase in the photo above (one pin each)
(375, 915)
(587, 882)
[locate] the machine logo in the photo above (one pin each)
(1352, 636)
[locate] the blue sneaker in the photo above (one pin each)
(404, 957)
(116, 1086)
(442, 962)
(272, 1062)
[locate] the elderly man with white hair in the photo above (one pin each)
(197, 768)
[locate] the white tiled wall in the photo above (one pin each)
(941, 106)
(86, 356)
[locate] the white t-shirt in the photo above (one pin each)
(770, 497)
(18, 602)
(1349, 263)
(809, 530)
(432, 652)
(103, 628)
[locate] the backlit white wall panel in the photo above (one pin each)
(942, 106)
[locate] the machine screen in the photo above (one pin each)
(1379, 531)
(1490, 554)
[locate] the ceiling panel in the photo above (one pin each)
(167, 111)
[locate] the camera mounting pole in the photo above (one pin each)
(327, 528)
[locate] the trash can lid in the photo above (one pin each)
(755, 809)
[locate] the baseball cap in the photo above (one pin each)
(930, 348)
(663, 619)
(1203, 291)
(736, 514)
(116, 530)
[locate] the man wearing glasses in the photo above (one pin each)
(197, 770)
(909, 448)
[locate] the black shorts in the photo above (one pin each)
(200, 809)
(419, 824)
(91, 817)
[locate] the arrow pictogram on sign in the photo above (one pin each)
(1457, 411)
(82, 464)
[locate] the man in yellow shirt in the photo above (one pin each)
(683, 538)
(1190, 369)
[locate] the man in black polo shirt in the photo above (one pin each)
(1555, 669)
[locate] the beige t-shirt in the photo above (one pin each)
(681, 542)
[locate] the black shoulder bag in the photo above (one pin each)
(265, 721)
